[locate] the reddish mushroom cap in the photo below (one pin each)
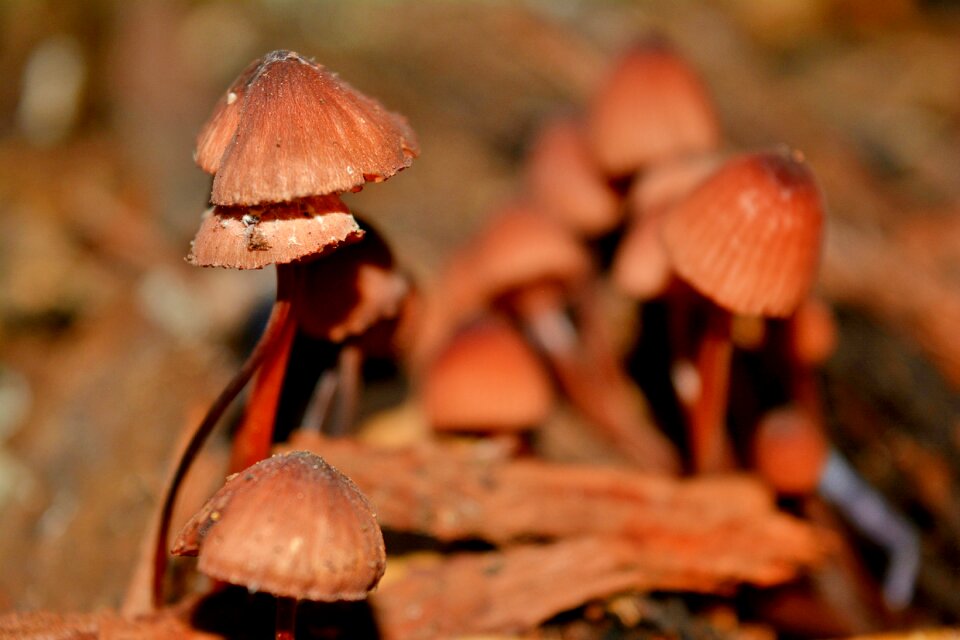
(347, 292)
(641, 268)
(297, 131)
(254, 237)
(790, 451)
(749, 236)
(290, 525)
(486, 379)
(567, 182)
(652, 107)
(520, 246)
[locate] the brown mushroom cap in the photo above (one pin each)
(520, 246)
(567, 181)
(486, 379)
(254, 237)
(290, 525)
(651, 108)
(749, 236)
(297, 131)
(349, 291)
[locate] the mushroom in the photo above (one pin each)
(287, 136)
(566, 182)
(292, 526)
(652, 107)
(527, 265)
(792, 453)
(288, 128)
(486, 380)
(748, 240)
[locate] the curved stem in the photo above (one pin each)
(278, 319)
(349, 365)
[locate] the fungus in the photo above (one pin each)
(747, 239)
(282, 142)
(652, 107)
(292, 526)
(289, 128)
(486, 380)
(566, 181)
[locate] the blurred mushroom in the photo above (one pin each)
(652, 107)
(567, 183)
(486, 380)
(747, 239)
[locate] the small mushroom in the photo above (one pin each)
(486, 380)
(748, 239)
(292, 526)
(289, 128)
(568, 184)
(652, 107)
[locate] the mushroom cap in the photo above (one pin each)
(790, 450)
(290, 525)
(347, 292)
(749, 236)
(663, 185)
(641, 268)
(652, 107)
(288, 128)
(521, 246)
(254, 237)
(486, 379)
(567, 181)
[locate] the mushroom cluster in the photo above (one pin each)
(285, 139)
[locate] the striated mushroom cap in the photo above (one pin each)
(254, 237)
(749, 236)
(486, 379)
(652, 107)
(567, 181)
(290, 525)
(288, 128)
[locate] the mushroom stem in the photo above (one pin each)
(286, 618)
(598, 388)
(254, 437)
(279, 318)
(348, 390)
(708, 440)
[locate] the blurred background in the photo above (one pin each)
(110, 343)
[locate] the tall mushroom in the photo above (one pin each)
(286, 137)
(747, 239)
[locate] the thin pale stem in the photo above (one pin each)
(708, 433)
(349, 366)
(278, 319)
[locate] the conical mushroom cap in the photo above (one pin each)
(651, 108)
(290, 525)
(749, 236)
(254, 237)
(568, 183)
(520, 246)
(297, 131)
(486, 379)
